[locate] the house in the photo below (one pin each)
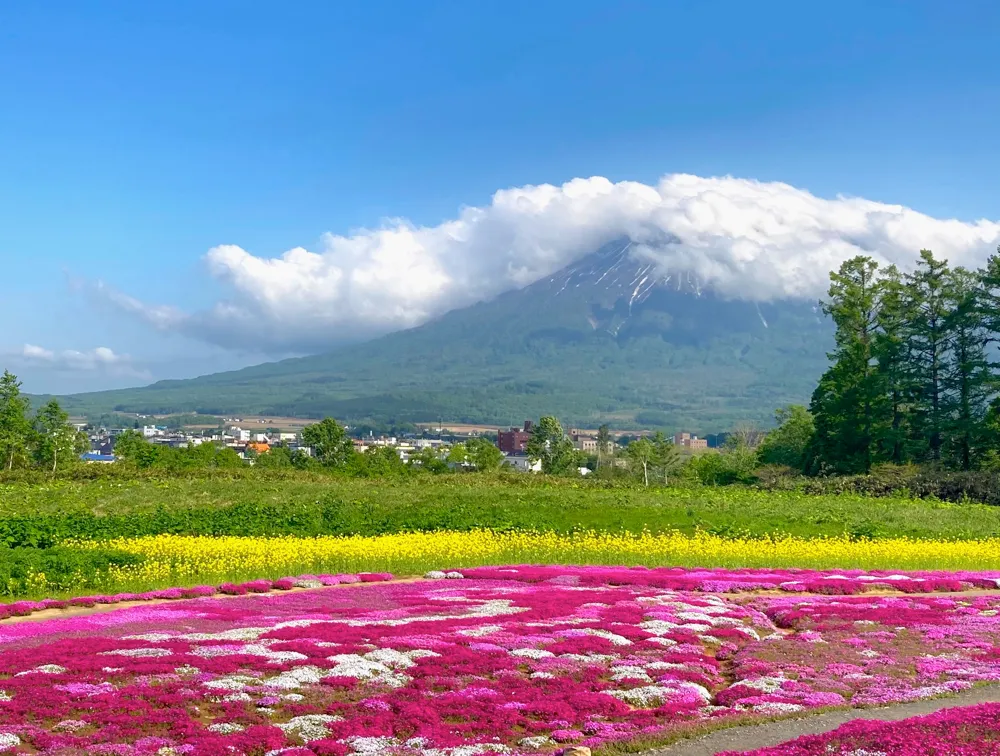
(523, 462)
(514, 440)
(259, 447)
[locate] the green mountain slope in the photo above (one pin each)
(604, 339)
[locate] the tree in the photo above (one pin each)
(330, 443)
(131, 446)
(641, 454)
(276, 458)
(458, 455)
(666, 457)
(604, 443)
(56, 437)
(848, 404)
(892, 353)
(967, 379)
(429, 460)
(787, 444)
(927, 332)
(483, 455)
(15, 427)
(549, 445)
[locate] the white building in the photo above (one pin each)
(523, 463)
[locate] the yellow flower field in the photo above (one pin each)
(174, 560)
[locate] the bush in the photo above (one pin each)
(64, 567)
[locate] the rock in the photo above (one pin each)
(575, 751)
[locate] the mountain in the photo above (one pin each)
(605, 339)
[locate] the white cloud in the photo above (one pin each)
(745, 239)
(99, 359)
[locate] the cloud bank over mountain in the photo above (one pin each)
(744, 239)
(99, 360)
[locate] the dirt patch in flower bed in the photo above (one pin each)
(520, 660)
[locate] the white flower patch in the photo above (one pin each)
(293, 697)
(869, 653)
(232, 682)
(542, 676)
(138, 652)
(371, 745)
(435, 575)
(454, 576)
(238, 697)
(537, 742)
(763, 684)
(9, 740)
(532, 653)
(352, 665)
(226, 728)
(45, 669)
(644, 697)
(309, 726)
(481, 631)
(390, 658)
(777, 708)
(658, 627)
(187, 669)
(5, 697)
(662, 641)
(70, 725)
(629, 672)
(614, 638)
(472, 749)
(296, 678)
(251, 649)
(420, 653)
(308, 583)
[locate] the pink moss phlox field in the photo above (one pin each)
(721, 580)
(25, 608)
(517, 660)
(960, 731)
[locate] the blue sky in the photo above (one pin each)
(135, 137)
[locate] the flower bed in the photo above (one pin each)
(960, 731)
(514, 660)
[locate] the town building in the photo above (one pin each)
(687, 441)
(514, 440)
(583, 442)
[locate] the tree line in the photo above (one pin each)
(914, 376)
(44, 439)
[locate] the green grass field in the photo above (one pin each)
(311, 505)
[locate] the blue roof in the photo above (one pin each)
(96, 457)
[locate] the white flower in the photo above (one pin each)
(436, 575)
(371, 745)
(45, 669)
(537, 742)
(8, 740)
(777, 708)
(532, 653)
(5, 696)
(454, 575)
(232, 682)
(309, 726)
(138, 652)
(226, 728)
(308, 583)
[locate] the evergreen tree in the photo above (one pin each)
(967, 381)
(15, 427)
(926, 301)
(849, 404)
(893, 358)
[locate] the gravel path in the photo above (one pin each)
(749, 737)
